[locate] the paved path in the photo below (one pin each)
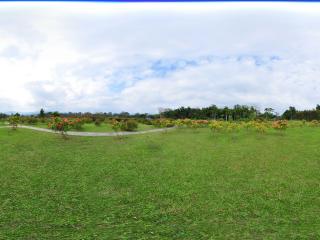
(93, 134)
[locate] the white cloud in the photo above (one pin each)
(102, 56)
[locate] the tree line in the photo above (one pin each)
(237, 112)
(240, 112)
(293, 114)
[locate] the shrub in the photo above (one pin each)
(31, 120)
(98, 122)
(260, 126)
(13, 121)
(60, 125)
(201, 123)
(179, 123)
(280, 125)
(232, 127)
(115, 125)
(87, 120)
(128, 125)
(76, 123)
(194, 124)
(215, 126)
(314, 123)
(163, 123)
(145, 121)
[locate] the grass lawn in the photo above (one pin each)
(176, 185)
(3, 123)
(90, 127)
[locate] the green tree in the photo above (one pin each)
(41, 113)
(269, 113)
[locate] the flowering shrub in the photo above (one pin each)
(216, 126)
(76, 123)
(179, 123)
(61, 125)
(314, 123)
(232, 127)
(260, 126)
(280, 125)
(194, 124)
(124, 125)
(247, 125)
(201, 123)
(294, 123)
(187, 122)
(115, 125)
(162, 123)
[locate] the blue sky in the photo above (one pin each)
(138, 57)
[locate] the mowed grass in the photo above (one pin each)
(91, 127)
(182, 184)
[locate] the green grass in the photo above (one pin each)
(90, 127)
(176, 185)
(2, 123)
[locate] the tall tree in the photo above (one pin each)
(41, 113)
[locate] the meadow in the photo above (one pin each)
(180, 184)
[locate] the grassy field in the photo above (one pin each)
(90, 127)
(177, 185)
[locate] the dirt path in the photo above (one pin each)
(93, 134)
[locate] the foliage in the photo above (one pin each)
(124, 125)
(29, 120)
(216, 126)
(315, 123)
(144, 121)
(55, 114)
(232, 127)
(3, 115)
(213, 112)
(14, 121)
(179, 123)
(41, 113)
(129, 125)
(61, 125)
(280, 125)
(163, 122)
(309, 115)
(260, 126)
(76, 123)
(98, 122)
(116, 125)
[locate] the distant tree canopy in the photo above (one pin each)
(241, 112)
(3, 115)
(213, 112)
(293, 114)
(237, 112)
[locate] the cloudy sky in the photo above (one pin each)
(137, 57)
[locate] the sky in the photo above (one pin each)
(139, 57)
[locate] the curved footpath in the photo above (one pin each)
(94, 134)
